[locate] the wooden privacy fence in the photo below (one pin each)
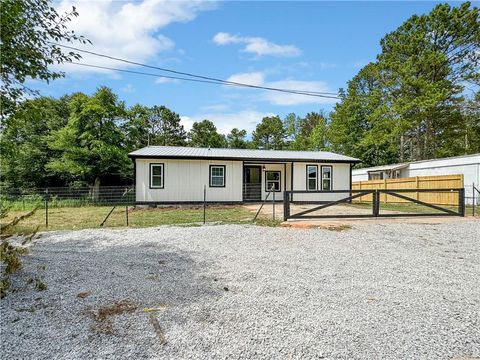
(417, 182)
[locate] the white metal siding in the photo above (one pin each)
(360, 175)
(340, 177)
(283, 178)
(184, 181)
(468, 166)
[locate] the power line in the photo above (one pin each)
(179, 78)
(142, 73)
(204, 78)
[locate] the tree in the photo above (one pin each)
(24, 142)
(291, 124)
(137, 127)
(91, 145)
(360, 125)
(312, 133)
(165, 127)
(29, 31)
(204, 134)
(236, 139)
(425, 64)
(269, 134)
(408, 104)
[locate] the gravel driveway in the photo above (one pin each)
(393, 291)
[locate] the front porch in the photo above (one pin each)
(260, 178)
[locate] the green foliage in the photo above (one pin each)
(359, 124)
(24, 142)
(311, 133)
(10, 255)
(165, 128)
(410, 104)
(269, 134)
(29, 30)
(237, 139)
(204, 134)
(91, 144)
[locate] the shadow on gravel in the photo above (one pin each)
(85, 278)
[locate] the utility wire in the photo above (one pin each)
(182, 78)
(205, 78)
(142, 73)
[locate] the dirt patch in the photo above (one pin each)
(331, 227)
(103, 317)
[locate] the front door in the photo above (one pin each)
(252, 183)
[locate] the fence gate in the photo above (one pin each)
(368, 203)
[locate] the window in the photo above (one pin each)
(326, 178)
(375, 176)
(156, 176)
(312, 177)
(272, 178)
(217, 175)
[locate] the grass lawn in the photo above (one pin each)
(75, 218)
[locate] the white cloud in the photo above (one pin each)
(215, 107)
(246, 119)
(252, 78)
(282, 98)
(128, 88)
(165, 80)
(256, 45)
(127, 29)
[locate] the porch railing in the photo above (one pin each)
(252, 192)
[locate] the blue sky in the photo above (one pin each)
(316, 46)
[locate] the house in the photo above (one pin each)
(467, 165)
(165, 174)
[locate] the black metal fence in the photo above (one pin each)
(324, 199)
(23, 199)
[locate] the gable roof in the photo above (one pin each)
(178, 152)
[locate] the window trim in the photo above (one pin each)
(150, 177)
(308, 178)
(279, 180)
(331, 177)
(210, 176)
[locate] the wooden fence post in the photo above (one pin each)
(385, 188)
(416, 187)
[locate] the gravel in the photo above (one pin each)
(383, 291)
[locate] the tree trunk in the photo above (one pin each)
(402, 148)
(96, 190)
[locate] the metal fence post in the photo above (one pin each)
(46, 207)
(273, 199)
(286, 206)
(473, 199)
(461, 202)
(126, 205)
(204, 203)
(376, 203)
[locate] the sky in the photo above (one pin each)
(314, 46)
